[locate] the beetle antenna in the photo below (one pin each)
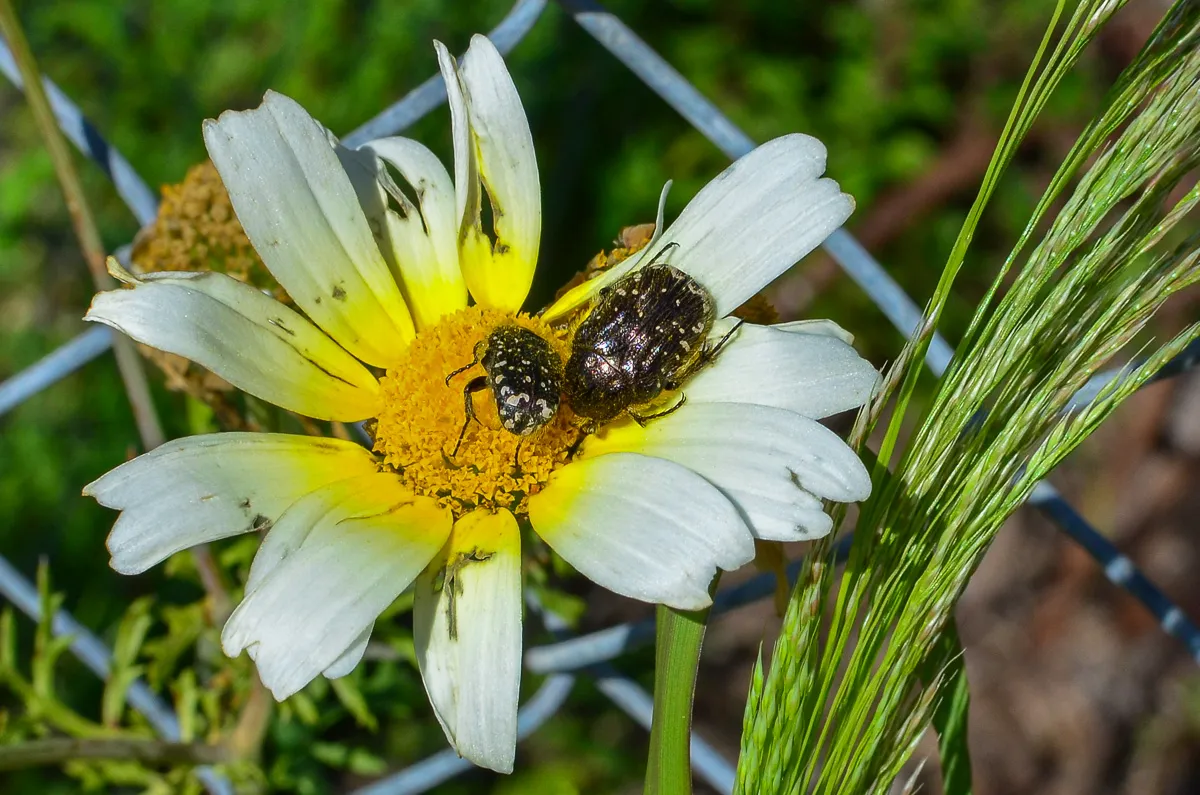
(707, 354)
(712, 352)
(662, 253)
(478, 351)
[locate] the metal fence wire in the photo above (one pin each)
(568, 657)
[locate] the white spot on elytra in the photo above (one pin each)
(1119, 569)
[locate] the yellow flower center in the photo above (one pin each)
(422, 417)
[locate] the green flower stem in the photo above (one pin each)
(677, 655)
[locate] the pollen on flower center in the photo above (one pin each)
(421, 419)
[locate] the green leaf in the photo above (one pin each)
(130, 634)
(45, 648)
(566, 606)
(186, 704)
(355, 760)
(352, 699)
(305, 709)
(184, 624)
(200, 416)
(8, 642)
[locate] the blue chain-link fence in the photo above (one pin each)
(569, 657)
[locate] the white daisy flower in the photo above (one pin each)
(381, 273)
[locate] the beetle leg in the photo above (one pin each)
(473, 386)
(517, 457)
(480, 347)
(585, 430)
(642, 419)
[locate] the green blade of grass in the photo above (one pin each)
(950, 714)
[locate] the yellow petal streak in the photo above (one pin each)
(422, 416)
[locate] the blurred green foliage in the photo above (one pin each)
(888, 86)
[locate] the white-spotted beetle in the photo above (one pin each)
(525, 375)
(645, 335)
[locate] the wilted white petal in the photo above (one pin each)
(202, 488)
(493, 153)
(246, 337)
(771, 463)
(786, 366)
(300, 211)
(373, 539)
(467, 629)
(643, 527)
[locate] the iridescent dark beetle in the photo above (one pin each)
(646, 334)
(524, 374)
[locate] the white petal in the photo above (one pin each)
(788, 367)
(309, 610)
(493, 146)
(246, 337)
(351, 657)
(422, 237)
(747, 226)
(300, 211)
(771, 463)
(467, 629)
(643, 527)
(202, 488)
